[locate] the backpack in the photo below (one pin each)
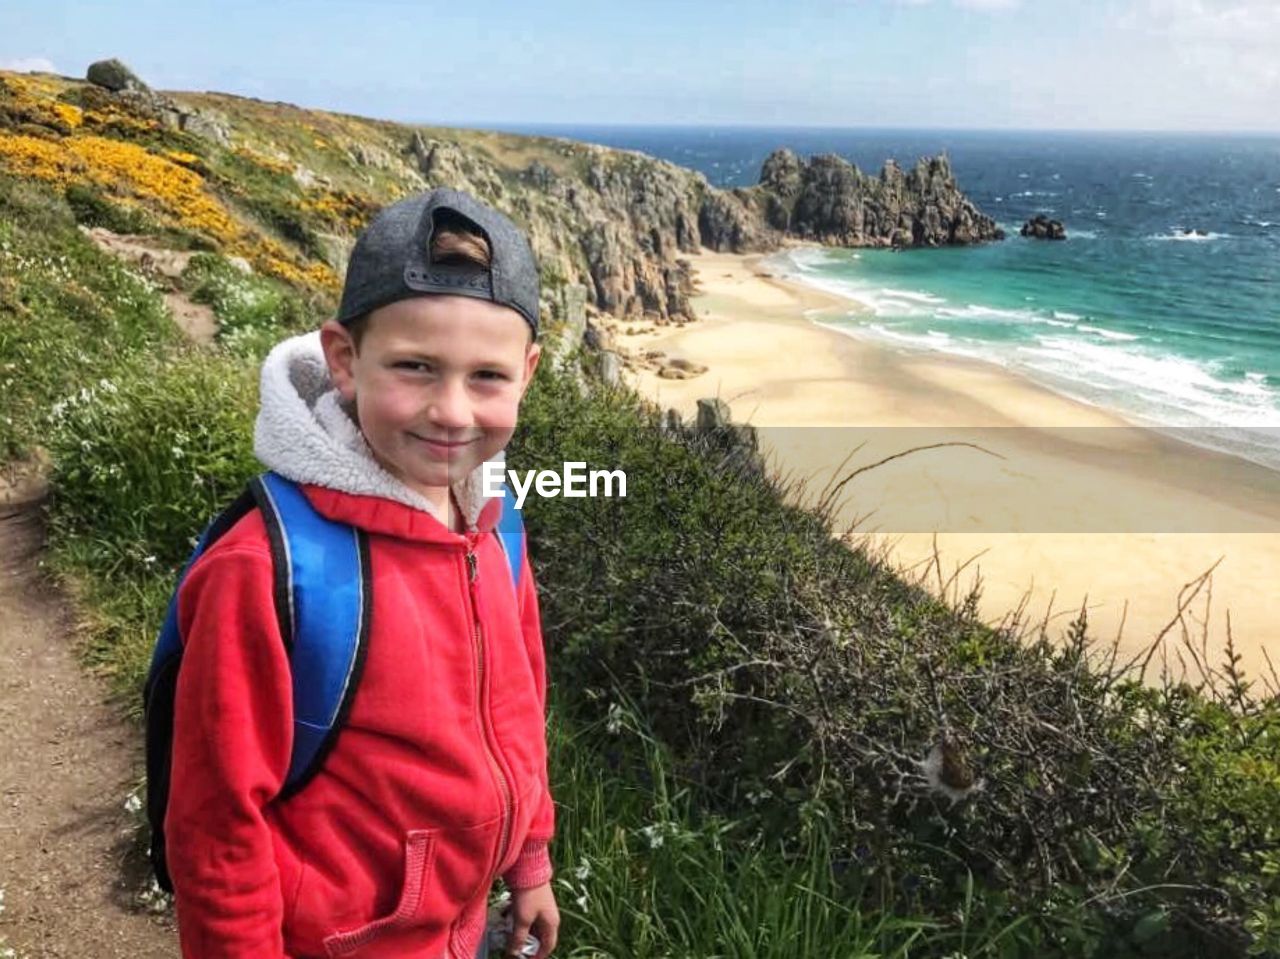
(322, 593)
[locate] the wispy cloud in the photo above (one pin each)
(27, 65)
(1233, 43)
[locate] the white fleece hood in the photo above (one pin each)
(305, 434)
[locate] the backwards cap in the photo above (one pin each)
(392, 258)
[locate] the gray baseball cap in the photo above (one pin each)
(391, 259)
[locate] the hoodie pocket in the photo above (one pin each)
(419, 862)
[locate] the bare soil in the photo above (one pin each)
(69, 867)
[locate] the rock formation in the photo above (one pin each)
(1040, 227)
(829, 200)
(116, 77)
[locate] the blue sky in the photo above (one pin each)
(1020, 64)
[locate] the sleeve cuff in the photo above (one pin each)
(532, 868)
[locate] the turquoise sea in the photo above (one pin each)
(1163, 304)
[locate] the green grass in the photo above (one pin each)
(69, 314)
(253, 312)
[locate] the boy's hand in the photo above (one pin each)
(534, 910)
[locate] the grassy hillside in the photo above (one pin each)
(745, 708)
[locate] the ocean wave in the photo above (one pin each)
(975, 311)
(929, 341)
(1195, 236)
(806, 259)
(1105, 334)
(913, 296)
(1165, 389)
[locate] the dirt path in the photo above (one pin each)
(66, 767)
(195, 319)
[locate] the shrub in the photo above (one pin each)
(796, 680)
(253, 312)
(143, 460)
(69, 313)
(92, 208)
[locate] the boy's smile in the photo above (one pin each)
(436, 382)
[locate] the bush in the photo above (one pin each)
(796, 680)
(92, 208)
(144, 460)
(69, 313)
(253, 312)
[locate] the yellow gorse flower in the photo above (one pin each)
(162, 182)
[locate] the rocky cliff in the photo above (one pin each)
(288, 189)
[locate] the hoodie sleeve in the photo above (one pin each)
(232, 732)
(533, 867)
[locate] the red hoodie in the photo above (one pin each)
(436, 785)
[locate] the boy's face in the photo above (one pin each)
(437, 384)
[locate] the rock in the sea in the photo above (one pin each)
(828, 199)
(115, 76)
(1040, 227)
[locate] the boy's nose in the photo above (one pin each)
(449, 407)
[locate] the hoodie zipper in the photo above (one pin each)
(507, 812)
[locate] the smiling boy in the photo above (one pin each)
(436, 783)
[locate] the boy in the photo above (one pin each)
(437, 782)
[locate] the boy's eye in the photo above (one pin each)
(418, 366)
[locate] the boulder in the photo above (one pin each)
(1040, 227)
(114, 76)
(713, 414)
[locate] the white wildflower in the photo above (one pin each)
(656, 834)
(133, 802)
(583, 871)
(614, 723)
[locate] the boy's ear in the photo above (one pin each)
(531, 357)
(339, 354)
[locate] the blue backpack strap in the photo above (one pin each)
(510, 530)
(323, 601)
(159, 690)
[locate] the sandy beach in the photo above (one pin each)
(1048, 500)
